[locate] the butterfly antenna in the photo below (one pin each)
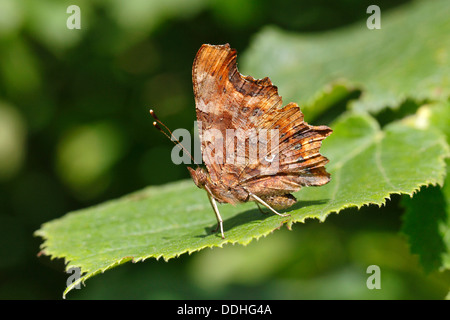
(171, 136)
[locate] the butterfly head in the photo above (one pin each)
(200, 176)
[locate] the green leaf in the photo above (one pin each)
(367, 164)
(427, 225)
(427, 216)
(409, 57)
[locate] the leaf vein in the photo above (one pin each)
(378, 161)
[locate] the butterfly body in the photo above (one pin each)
(237, 194)
(221, 192)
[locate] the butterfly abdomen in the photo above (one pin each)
(279, 202)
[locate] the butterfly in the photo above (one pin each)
(253, 148)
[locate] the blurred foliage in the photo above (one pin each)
(385, 65)
(75, 131)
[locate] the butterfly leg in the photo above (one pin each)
(261, 201)
(216, 211)
(261, 210)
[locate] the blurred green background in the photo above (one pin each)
(75, 131)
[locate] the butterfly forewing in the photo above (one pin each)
(227, 101)
(247, 138)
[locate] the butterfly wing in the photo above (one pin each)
(295, 159)
(247, 140)
(226, 100)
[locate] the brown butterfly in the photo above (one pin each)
(253, 148)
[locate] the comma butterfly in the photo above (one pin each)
(236, 116)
